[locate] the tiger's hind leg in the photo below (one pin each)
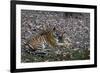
(30, 49)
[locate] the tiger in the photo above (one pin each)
(49, 37)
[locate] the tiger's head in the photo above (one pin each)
(56, 38)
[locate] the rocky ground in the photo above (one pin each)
(75, 25)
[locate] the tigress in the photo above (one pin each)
(48, 37)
